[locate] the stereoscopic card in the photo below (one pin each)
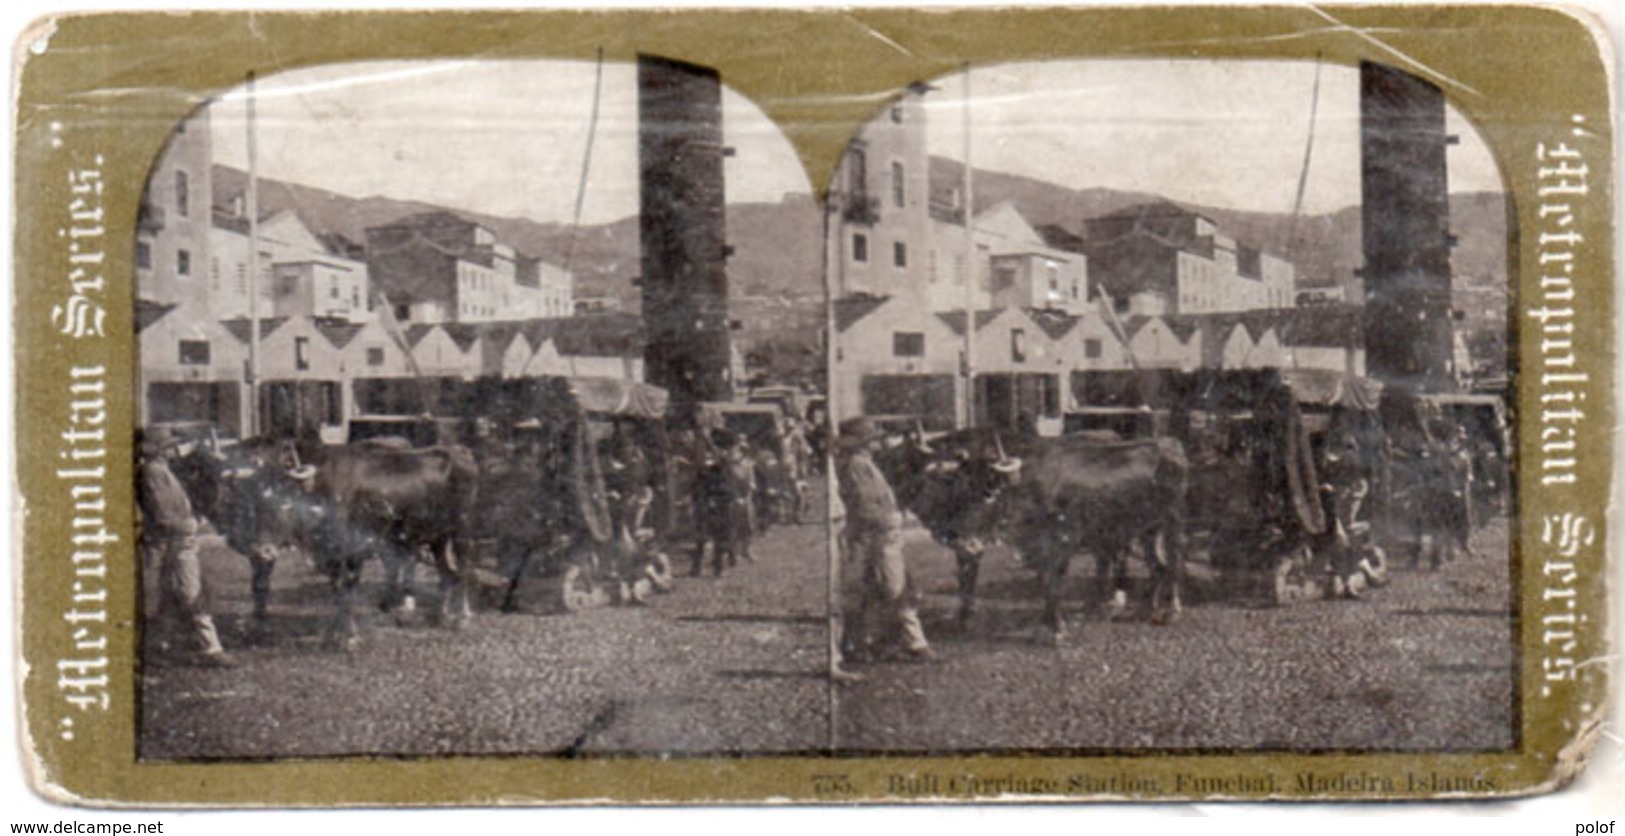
(702, 406)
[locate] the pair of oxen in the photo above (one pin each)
(340, 505)
(1050, 499)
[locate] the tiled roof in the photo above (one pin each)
(955, 320)
(239, 328)
(853, 308)
(147, 312)
(337, 331)
(1055, 324)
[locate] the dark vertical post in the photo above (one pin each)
(1406, 220)
(685, 279)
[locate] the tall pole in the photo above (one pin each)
(253, 210)
(970, 261)
(832, 526)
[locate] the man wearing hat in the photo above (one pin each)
(169, 535)
(875, 553)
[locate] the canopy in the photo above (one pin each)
(615, 396)
(1323, 387)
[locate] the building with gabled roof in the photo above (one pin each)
(894, 358)
(1160, 258)
(300, 273)
(301, 377)
(1016, 266)
(438, 266)
(504, 350)
(191, 367)
(438, 353)
(1155, 343)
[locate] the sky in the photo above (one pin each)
(1228, 134)
(509, 138)
(503, 137)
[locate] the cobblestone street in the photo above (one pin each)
(736, 664)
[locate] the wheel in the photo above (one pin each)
(578, 591)
(1375, 566)
(658, 571)
(1289, 581)
(1283, 589)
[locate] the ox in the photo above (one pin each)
(958, 493)
(256, 496)
(395, 502)
(1104, 497)
(1075, 494)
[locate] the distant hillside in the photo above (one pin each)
(1328, 246)
(776, 246)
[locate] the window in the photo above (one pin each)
(183, 199)
(899, 254)
(143, 255)
(1120, 305)
(908, 344)
(897, 114)
(899, 185)
(857, 172)
(375, 356)
(301, 353)
(333, 292)
(403, 312)
(1091, 349)
(860, 247)
(214, 273)
(183, 262)
(194, 352)
(1018, 345)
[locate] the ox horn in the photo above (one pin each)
(919, 435)
(1005, 463)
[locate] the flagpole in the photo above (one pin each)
(253, 201)
(970, 261)
(832, 545)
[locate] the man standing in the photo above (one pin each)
(169, 536)
(712, 505)
(739, 475)
(875, 567)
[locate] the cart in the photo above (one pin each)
(1283, 468)
(579, 489)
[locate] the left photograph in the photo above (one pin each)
(481, 411)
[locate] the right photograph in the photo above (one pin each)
(1170, 404)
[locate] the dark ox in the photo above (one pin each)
(396, 502)
(250, 494)
(1072, 494)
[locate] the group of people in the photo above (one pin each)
(880, 604)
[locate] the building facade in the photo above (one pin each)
(172, 228)
(299, 275)
(438, 267)
(1160, 258)
(880, 216)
